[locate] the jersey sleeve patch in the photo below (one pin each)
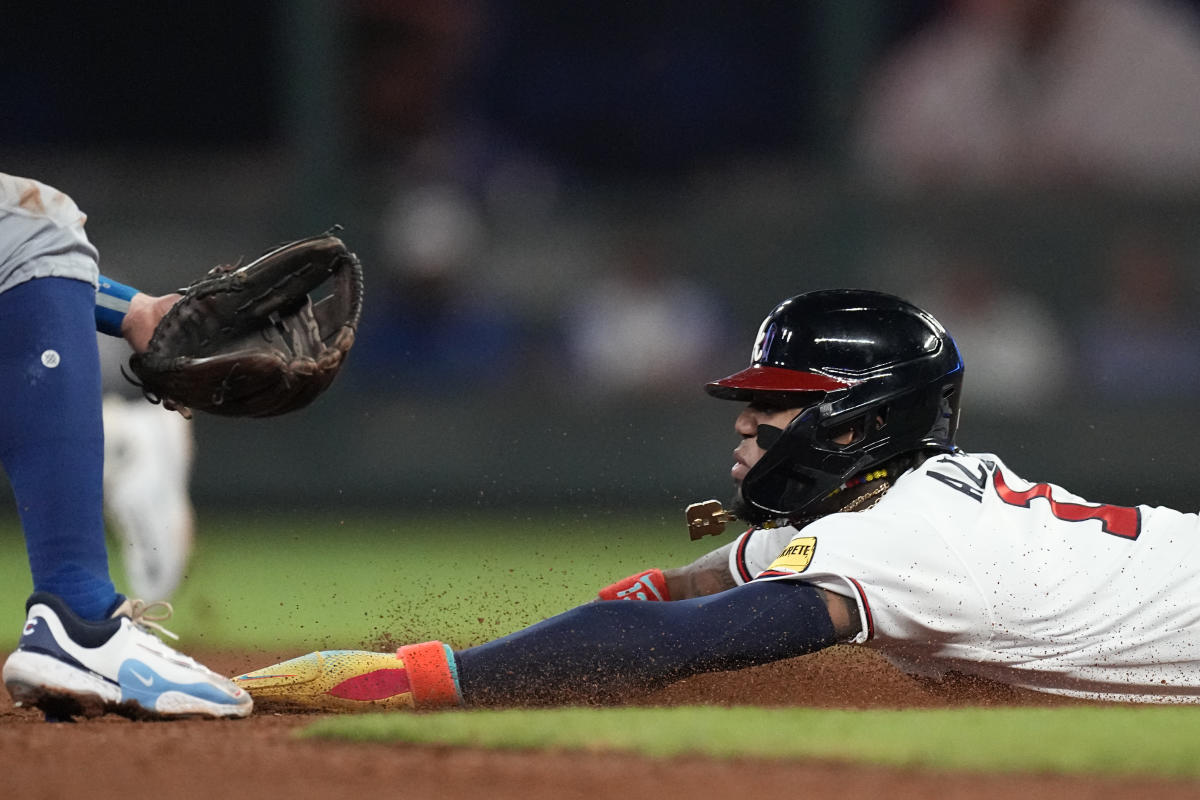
(796, 556)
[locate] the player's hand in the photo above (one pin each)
(143, 316)
(649, 584)
(144, 313)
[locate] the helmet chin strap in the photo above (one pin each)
(859, 493)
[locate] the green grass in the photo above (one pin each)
(1071, 740)
(296, 583)
(301, 582)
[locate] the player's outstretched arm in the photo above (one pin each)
(597, 652)
(706, 575)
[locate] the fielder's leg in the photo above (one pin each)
(51, 438)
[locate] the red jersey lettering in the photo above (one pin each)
(1117, 520)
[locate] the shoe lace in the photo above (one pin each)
(149, 615)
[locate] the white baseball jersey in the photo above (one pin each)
(965, 567)
(41, 235)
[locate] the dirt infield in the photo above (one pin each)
(257, 758)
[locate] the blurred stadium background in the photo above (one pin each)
(573, 214)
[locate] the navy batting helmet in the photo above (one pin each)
(852, 359)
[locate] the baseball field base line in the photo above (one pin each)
(1108, 740)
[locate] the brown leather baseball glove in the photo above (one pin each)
(248, 341)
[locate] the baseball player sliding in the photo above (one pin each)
(867, 526)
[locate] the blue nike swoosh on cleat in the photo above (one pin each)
(146, 681)
(159, 685)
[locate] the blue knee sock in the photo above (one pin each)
(52, 437)
(615, 649)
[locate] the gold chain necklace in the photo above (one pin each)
(874, 496)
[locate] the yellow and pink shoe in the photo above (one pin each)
(417, 676)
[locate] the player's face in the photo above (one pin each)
(748, 451)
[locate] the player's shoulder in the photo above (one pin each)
(975, 469)
(960, 459)
(920, 500)
(943, 490)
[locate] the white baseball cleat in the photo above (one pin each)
(147, 466)
(70, 667)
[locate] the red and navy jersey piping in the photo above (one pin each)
(866, 607)
(740, 557)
